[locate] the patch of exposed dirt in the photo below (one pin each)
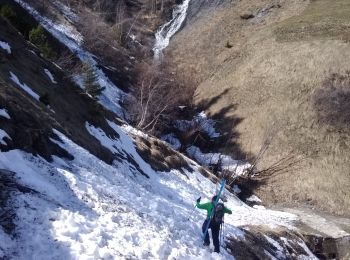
(159, 155)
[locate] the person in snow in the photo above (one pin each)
(215, 222)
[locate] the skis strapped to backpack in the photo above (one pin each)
(222, 186)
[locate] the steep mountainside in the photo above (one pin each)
(277, 71)
(78, 182)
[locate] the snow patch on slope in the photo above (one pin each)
(309, 256)
(3, 113)
(172, 140)
(227, 163)
(133, 131)
(49, 74)
(127, 143)
(5, 46)
(63, 32)
(254, 198)
(3, 134)
(24, 86)
(200, 121)
(111, 96)
(278, 247)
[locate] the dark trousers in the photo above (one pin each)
(215, 232)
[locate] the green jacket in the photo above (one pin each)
(209, 206)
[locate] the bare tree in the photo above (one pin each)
(157, 95)
(153, 6)
(66, 60)
(285, 164)
(119, 21)
(259, 170)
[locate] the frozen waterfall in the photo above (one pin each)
(167, 30)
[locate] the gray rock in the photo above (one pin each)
(247, 16)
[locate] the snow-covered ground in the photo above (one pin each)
(88, 209)
(24, 86)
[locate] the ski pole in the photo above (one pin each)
(223, 234)
(222, 231)
(191, 214)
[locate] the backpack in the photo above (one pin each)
(219, 212)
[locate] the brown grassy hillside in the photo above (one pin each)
(277, 69)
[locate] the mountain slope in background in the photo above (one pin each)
(280, 68)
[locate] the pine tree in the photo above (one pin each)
(38, 37)
(90, 82)
(7, 12)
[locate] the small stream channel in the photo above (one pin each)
(167, 30)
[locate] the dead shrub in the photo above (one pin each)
(97, 34)
(287, 163)
(259, 170)
(332, 101)
(157, 95)
(159, 155)
(67, 60)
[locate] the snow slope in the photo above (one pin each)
(88, 209)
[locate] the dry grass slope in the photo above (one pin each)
(278, 62)
(321, 19)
